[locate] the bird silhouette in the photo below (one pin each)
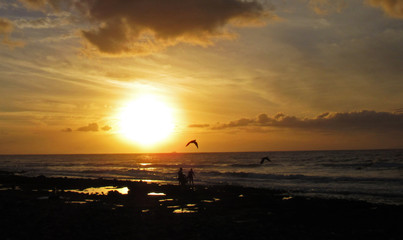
(193, 141)
(265, 158)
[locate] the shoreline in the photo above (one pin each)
(175, 152)
(44, 208)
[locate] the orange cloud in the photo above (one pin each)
(106, 128)
(6, 27)
(199, 125)
(92, 127)
(393, 8)
(67, 130)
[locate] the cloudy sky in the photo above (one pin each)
(238, 75)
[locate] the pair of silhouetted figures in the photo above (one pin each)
(183, 179)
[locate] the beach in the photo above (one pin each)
(59, 208)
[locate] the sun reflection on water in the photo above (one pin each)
(156, 194)
(185, 210)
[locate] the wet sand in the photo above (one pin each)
(44, 208)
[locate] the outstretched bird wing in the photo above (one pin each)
(193, 141)
(265, 158)
(190, 142)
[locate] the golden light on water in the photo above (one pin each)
(146, 120)
(102, 190)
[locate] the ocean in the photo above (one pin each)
(369, 175)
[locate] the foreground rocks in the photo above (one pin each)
(55, 208)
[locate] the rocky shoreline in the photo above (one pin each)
(57, 208)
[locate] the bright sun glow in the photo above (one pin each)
(146, 120)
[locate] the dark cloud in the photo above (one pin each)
(349, 121)
(393, 8)
(92, 127)
(145, 26)
(238, 123)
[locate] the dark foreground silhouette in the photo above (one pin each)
(43, 208)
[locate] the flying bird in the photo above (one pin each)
(265, 158)
(193, 141)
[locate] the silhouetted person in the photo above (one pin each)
(181, 177)
(191, 174)
(265, 159)
(194, 142)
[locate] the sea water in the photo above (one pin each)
(369, 175)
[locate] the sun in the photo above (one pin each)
(146, 120)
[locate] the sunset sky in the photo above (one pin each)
(235, 75)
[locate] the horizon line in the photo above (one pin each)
(174, 152)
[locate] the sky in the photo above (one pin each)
(237, 75)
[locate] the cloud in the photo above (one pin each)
(91, 127)
(6, 27)
(67, 130)
(324, 7)
(199, 125)
(393, 8)
(139, 27)
(42, 23)
(399, 110)
(39, 4)
(106, 128)
(146, 26)
(348, 121)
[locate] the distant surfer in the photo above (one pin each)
(265, 159)
(194, 142)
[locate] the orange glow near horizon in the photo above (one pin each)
(146, 120)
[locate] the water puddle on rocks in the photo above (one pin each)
(156, 194)
(185, 210)
(101, 190)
